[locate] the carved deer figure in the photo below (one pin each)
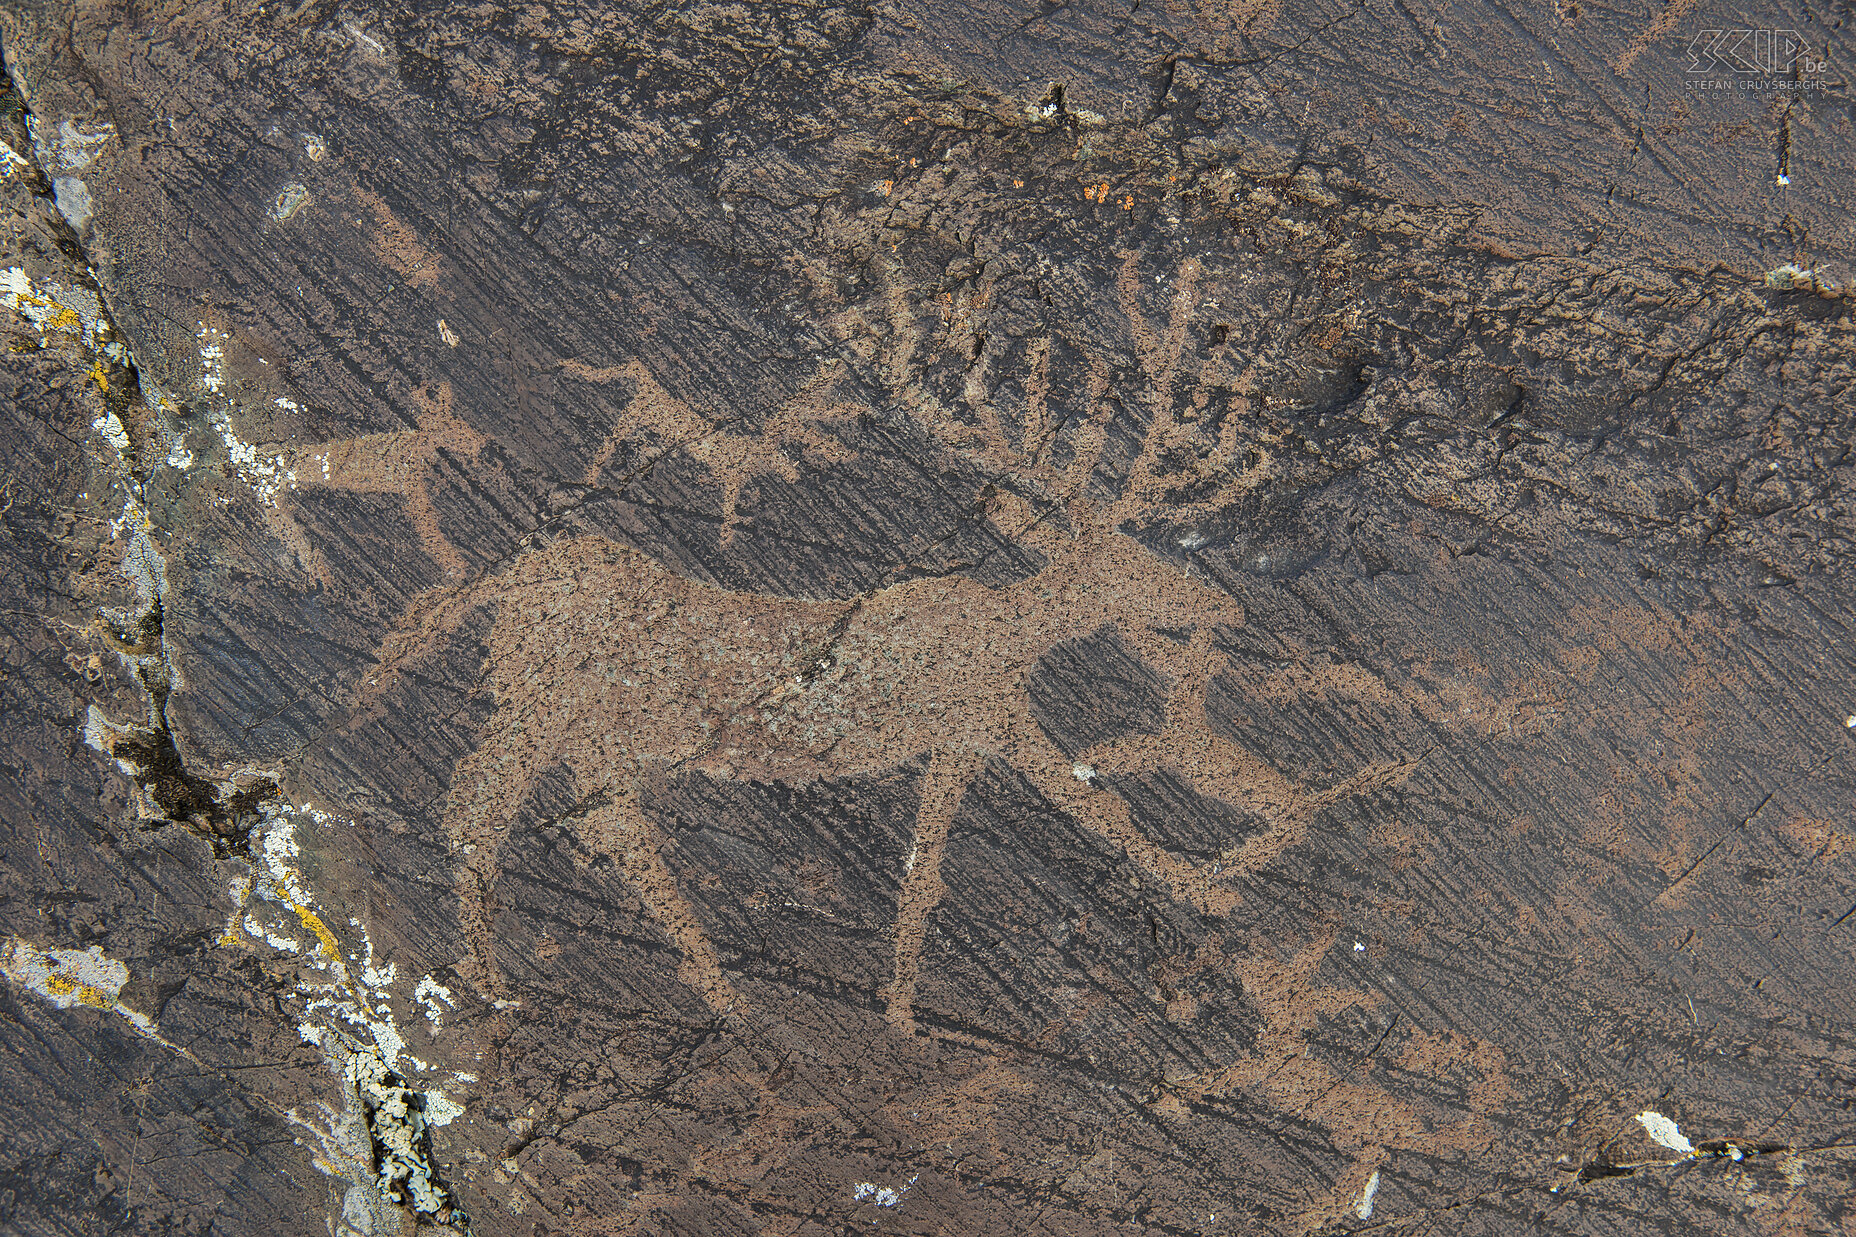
(613, 666)
(608, 664)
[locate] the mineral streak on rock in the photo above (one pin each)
(1061, 618)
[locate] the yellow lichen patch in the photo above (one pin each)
(52, 315)
(68, 977)
(79, 994)
(44, 311)
(97, 375)
(330, 946)
(285, 884)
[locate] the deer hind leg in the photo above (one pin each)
(949, 774)
(618, 828)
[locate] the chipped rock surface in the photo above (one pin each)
(1083, 618)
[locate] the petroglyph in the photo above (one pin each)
(610, 665)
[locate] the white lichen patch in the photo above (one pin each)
(102, 735)
(397, 1118)
(314, 147)
(1365, 1208)
(145, 567)
(110, 427)
(344, 1148)
(1792, 278)
(212, 358)
(1082, 772)
(68, 977)
(99, 732)
(173, 436)
(394, 1117)
(69, 148)
(63, 152)
(882, 1195)
(433, 997)
(52, 307)
(348, 1012)
(267, 472)
(127, 630)
(378, 978)
(72, 198)
(132, 517)
(239, 889)
(1664, 1132)
(439, 1110)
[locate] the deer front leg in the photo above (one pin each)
(1073, 786)
(1222, 768)
(949, 774)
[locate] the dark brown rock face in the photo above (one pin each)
(1075, 618)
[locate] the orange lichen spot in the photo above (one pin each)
(911, 161)
(887, 186)
(1017, 184)
(1127, 203)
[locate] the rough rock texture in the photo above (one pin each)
(1075, 618)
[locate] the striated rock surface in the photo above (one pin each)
(1075, 618)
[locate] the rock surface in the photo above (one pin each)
(1074, 618)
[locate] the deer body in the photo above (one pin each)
(622, 671)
